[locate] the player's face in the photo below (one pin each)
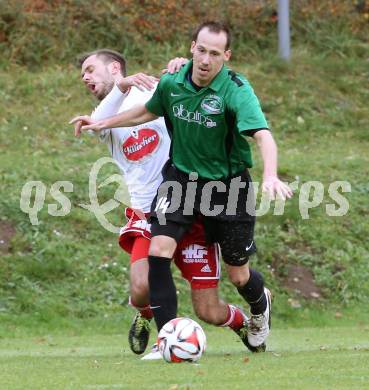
(97, 76)
(209, 55)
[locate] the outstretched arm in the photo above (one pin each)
(110, 105)
(268, 149)
(133, 117)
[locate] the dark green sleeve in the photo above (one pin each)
(246, 106)
(156, 104)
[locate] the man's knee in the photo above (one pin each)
(238, 276)
(162, 246)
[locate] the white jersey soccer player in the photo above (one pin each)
(140, 151)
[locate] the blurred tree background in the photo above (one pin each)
(36, 32)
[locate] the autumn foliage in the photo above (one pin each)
(36, 31)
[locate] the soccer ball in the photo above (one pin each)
(181, 340)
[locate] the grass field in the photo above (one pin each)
(303, 358)
(64, 282)
(69, 266)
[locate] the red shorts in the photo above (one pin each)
(198, 262)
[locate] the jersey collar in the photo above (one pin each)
(215, 85)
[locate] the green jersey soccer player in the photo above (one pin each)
(210, 112)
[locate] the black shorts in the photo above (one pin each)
(227, 208)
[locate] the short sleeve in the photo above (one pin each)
(247, 110)
(156, 105)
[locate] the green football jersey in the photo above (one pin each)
(207, 126)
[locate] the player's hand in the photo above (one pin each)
(175, 65)
(275, 187)
(140, 80)
(85, 122)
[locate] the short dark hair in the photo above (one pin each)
(107, 56)
(215, 27)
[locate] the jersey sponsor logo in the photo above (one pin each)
(189, 116)
(141, 143)
(174, 94)
(212, 104)
(195, 254)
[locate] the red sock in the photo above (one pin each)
(145, 311)
(235, 318)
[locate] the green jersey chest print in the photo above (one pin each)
(207, 126)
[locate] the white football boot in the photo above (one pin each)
(259, 325)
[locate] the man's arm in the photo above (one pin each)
(268, 149)
(110, 105)
(133, 117)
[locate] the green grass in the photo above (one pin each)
(305, 358)
(64, 283)
(71, 268)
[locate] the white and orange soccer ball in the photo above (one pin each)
(181, 340)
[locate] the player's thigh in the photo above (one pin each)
(199, 264)
(198, 261)
(167, 215)
(235, 238)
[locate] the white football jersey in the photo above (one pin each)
(140, 151)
